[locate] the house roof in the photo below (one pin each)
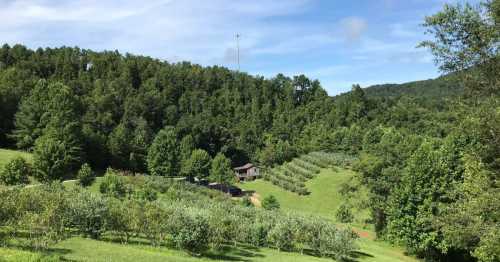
(246, 166)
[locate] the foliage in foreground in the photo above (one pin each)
(184, 219)
(15, 172)
(86, 175)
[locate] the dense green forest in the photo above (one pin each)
(428, 151)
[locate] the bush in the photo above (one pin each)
(193, 221)
(41, 211)
(86, 175)
(119, 221)
(15, 172)
(259, 234)
(189, 230)
(53, 158)
(344, 214)
(146, 193)
(224, 226)
(270, 203)
(155, 223)
(88, 214)
(281, 236)
(113, 184)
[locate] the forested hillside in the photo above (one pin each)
(429, 151)
(119, 102)
(442, 87)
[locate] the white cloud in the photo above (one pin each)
(354, 27)
(291, 36)
(200, 31)
(17, 13)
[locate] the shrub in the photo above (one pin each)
(155, 223)
(189, 230)
(88, 214)
(113, 184)
(147, 193)
(15, 172)
(270, 203)
(86, 175)
(259, 234)
(224, 226)
(53, 158)
(41, 211)
(344, 214)
(281, 236)
(121, 218)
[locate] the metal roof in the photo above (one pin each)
(246, 166)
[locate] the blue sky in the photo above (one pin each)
(338, 42)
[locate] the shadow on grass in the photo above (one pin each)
(354, 256)
(133, 240)
(44, 252)
(239, 252)
(248, 193)
(360, 254)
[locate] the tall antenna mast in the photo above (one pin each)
(238, 49)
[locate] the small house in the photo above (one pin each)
(246, 172)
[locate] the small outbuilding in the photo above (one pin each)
(228, 189)
(247, 172)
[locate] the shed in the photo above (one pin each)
(246, 172)
(228, 189)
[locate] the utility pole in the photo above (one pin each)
(238, 49)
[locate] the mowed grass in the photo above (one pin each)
(6, 155)
(324, 201)
(80, 249)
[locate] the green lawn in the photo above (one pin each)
(324, 200)
(79, 249)
(7, 155)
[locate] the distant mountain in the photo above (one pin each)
(440, 87)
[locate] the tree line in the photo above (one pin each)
(431, 162)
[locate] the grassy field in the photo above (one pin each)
(79, 249)
(324, 200)
(7, 155)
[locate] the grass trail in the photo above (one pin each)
(6, 155)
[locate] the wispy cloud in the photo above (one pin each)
(354, 27)
(17, 13)
(337, 42)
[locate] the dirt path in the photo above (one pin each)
(363, 234)
(35, 185)
(255, 198)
